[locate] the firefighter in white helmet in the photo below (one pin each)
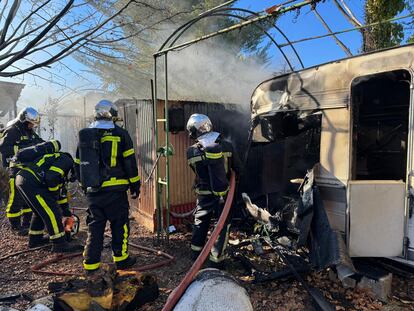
(211, 159)
(18, 134)
(106, 167)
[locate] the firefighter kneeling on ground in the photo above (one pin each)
(211, 159)
(107, 168)
(40, 183)
(19, 133)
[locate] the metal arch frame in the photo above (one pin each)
(178, 33)
(219, 10)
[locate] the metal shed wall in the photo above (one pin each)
(138, 120)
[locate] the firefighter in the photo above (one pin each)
(40, 183)
(19, 133)
(211, 159)
(107, 168)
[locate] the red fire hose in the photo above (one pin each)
(179, 291)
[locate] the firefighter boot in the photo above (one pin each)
(16, 227)
(37, 240)
(60, 245)
(127, 263)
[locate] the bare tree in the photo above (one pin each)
(35, 34)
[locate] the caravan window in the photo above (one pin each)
(380, 105)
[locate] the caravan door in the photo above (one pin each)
(376, 218)
(376, 193)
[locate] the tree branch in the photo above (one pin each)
(12, 13)
(32, 43)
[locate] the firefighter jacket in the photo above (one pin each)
(117, 160)
(211, 160)
(51, 171)
(15, 137)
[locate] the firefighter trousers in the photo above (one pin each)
(207, 207)
(46, 211)
(17, 208)
(112, 206)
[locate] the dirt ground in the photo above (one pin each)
(16, 275)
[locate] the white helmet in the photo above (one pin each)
(29, 115)
(106, 110)
(198, 124)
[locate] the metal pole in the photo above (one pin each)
(347, 30)
(157, 194)
(339, 42)
(167, 157)
(234, 27)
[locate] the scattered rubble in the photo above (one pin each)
(282, 294)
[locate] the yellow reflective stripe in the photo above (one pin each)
(57, 236)
(53, 189)
(36, 232)
(226, 156)
(91, 266)
(135, 179)
(30, 171)
(55, 145)
(12, 164)
(11, 198)
(24, 138)
(115, 140)
(125, 241)
(63, 201)
(43, 159)
(128, 153)
(77, 161)
(26, 210)
(214, 156)
(110, 138)
(194, 160)
(15, 149)
(51, 216)
(196, 248)
(124, 252)
(57, 170)
(120, 258)
(13, 215)
(115, 182)
(222, 193)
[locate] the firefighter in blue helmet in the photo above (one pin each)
(107, 168)
(19, 133)
(211, 159)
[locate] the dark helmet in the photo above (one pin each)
(106, 110)
(29, 115)
(198, 124)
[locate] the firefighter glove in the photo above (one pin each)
(135, 190)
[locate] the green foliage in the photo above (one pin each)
(385, 34)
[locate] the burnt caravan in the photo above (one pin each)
(355, 119)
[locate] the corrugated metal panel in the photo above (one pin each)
(138, 120)
(181, 176)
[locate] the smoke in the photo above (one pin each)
(213, 73)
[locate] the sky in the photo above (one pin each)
(295, 27)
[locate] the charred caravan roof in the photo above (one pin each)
(325, 86)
